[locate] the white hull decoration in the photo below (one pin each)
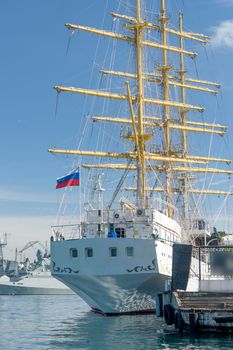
(122, 253)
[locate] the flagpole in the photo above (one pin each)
(80, 201)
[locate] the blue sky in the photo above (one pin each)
(33, 45)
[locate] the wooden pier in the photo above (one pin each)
(210, 306)
(197, 311)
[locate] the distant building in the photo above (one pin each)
(228, 239)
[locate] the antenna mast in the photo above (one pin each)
(2, 244)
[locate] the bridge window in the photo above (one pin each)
(73, 253)
(201, 224)
(120, 232)
(89, 252)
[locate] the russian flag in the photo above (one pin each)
(68, 180)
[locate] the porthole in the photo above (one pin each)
(129, 251)
(73, 252)
(89, 252)
(113, 251)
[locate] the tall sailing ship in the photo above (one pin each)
(121, 255)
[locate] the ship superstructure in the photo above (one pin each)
(122, 253)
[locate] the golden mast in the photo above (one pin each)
(168, 159)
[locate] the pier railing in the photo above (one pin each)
(215, 262)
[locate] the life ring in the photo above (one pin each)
(168, 312)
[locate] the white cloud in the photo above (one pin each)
(223, 34)
(15, 196)
(24, 229)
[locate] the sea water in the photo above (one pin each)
(65, 322)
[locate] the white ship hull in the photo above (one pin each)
(114, 285)
(122, 294)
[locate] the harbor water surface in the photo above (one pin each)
(65, 322)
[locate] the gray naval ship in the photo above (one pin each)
(26, 278)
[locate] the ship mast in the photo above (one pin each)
(141, 181)
(165, 69)
(183, 113)
(167, 161)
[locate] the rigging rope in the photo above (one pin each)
(122, 179)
